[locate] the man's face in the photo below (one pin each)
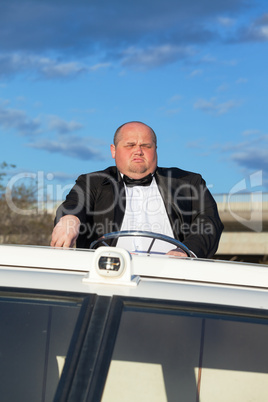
(135, 153)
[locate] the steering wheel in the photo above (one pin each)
(138, 233)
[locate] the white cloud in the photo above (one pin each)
(254, 158)
(62, 126)
(226, 21)
(76, 147)
(197, 144)
(53, 69)
(260, 28)
(251, 132)
(249, 154)
(241, 80)
(154, 56)
(264, 32)
(223, 87)
(175, 98)
(42, 66)
(98, 66)
(208, 58)
(196, 73)
(133, 34)
(171, 112)
(18, 120)
(256, 31)
(214, 107)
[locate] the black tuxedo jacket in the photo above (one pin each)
(98, 200)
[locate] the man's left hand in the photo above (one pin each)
(178, 252)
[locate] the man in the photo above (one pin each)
(136, 194)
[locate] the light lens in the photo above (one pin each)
(109, 264)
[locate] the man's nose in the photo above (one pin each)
(138, 150)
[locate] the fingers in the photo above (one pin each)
(65, 232)
(61, 241)
(177, 252)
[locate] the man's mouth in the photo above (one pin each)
(138, 160)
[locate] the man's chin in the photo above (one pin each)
(138, 170)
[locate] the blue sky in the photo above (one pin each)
(72, 71)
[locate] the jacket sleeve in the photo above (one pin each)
(205, 227)
(76, 201)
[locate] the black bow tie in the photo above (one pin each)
(144, 181)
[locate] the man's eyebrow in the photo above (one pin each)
(134, 143)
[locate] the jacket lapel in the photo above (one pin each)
(112, 201)
(168, 187)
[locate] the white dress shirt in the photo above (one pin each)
(145, 211)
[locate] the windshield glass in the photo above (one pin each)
(35, 335)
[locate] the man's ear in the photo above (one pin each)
(112, 150)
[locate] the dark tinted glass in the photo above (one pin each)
(168, 355)
(35, 334)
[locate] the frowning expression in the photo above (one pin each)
(135, 152)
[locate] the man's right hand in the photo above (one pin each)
(65, 232)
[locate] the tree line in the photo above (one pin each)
(20, 222)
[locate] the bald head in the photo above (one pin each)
(130, 125)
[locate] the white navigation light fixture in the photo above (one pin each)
(111, 265)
